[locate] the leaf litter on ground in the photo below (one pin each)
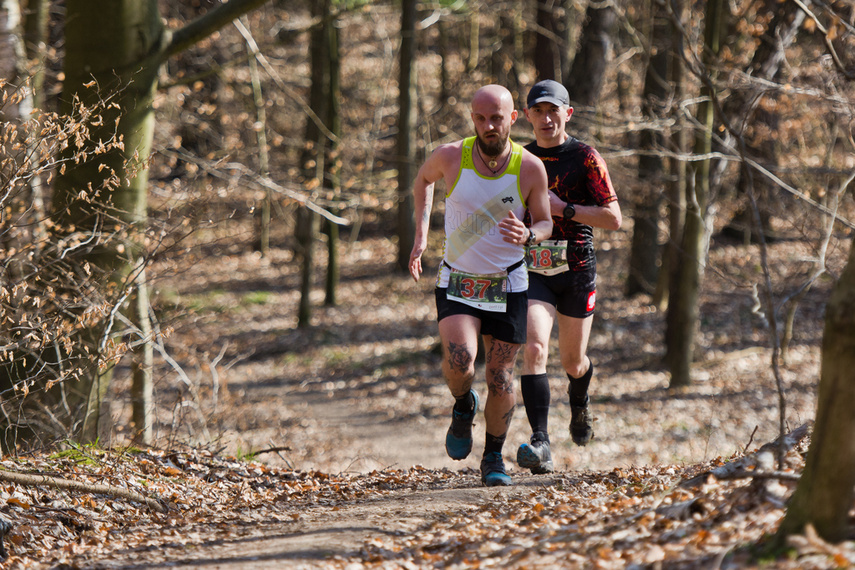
(634, 517)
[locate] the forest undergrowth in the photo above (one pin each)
(322, 447)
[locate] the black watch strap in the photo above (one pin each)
(569, 211)
(532, 237)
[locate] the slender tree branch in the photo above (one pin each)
(176, 41)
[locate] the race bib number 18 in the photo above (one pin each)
(486, 292)
(549, 257)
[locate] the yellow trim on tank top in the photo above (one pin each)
(466, 161)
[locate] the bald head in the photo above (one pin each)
(494, 95)
(493, 114)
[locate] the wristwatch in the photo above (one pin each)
(532, 237)
(569, 211)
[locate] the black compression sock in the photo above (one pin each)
(535, 393)
(465, 404)
(579, 387)
(494, 443)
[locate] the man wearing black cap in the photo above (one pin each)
(563, 270)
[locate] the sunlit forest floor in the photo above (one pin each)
(343, 423)
(361, 388)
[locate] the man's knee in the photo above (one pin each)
(500, 383)
(536, 353)
(459, 361)
(576, 367)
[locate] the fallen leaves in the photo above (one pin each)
(625, 518)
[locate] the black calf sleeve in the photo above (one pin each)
(579, 387)
(535, 393)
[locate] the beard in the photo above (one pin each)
(492, 149)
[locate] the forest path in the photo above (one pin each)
(360, 392)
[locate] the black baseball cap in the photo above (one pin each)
(548, 91)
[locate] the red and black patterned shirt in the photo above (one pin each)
(578, 175)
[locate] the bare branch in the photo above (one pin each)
(34, 480)
(176, 41)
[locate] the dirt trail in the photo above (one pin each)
(361, 390)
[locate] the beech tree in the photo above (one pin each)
(113, 50)
(405, 143)
(683, 313)
(826, 489)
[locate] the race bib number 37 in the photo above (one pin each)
(486, 292)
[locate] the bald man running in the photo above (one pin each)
(482, 283)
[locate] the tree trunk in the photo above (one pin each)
(406, 129)
(595, 45)
(321, 163)
(314, 155)
(444, 81)
(16, 109)
(333, 269)
(306, 225)
(552, 39)
(474, 40)
(113, 49)
(333, 162)
(676, 197)
(645, 250)
(142, 386)
(824, 495)
(17, 100)
(261, 140)
(36, 19)
(682, 319)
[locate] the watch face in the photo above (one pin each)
(569, 211)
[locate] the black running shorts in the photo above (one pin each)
(509, 326)
(572, 293)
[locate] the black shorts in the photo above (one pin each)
(509, 326)
(572, 293)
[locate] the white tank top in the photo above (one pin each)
(473, 208)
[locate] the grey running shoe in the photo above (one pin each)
(581, 424)
(458, 440)
(536, 456)
(493, 470)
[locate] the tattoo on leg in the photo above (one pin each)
(500, 381)
(507, 418)
(459, 359)
(504, 352)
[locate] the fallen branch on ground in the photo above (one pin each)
(739, 469)
(70, 485)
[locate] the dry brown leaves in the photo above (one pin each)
(206, 496)
(627, 518)
(624, 518)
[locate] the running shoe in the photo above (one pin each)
(458, 440)
(536, 455)
(581, 424)
(493, 470)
